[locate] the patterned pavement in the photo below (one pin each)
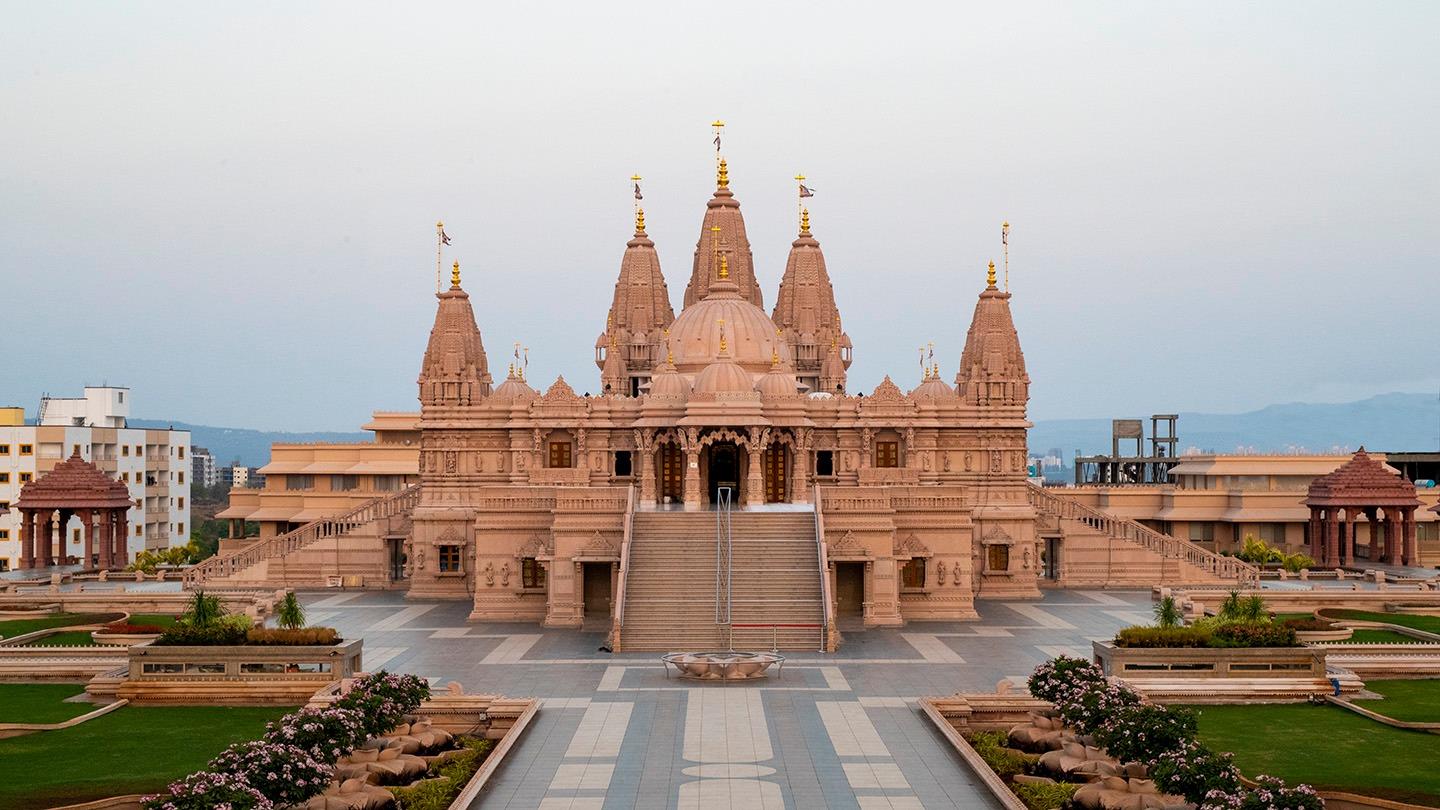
(834, 730)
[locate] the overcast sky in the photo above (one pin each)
(1214, 206)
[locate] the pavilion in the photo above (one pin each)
(75, 488)
(1362, 487)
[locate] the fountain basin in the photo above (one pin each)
(729, 665)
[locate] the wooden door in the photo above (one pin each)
(850, 589)
(775, 483)
(671, 469)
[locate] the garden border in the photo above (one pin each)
(9, 730)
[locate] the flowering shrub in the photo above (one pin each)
(1086, 708)
(383, 699)
(1143, 732)
(1270, 793)
(1254, 635)
(1061, 674)
(1194, 771)
(285, 774)
(326, 734)
(1170, 637)
(209, 791)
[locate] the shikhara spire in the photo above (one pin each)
(631, 345)
(454, 371)
(807, 316)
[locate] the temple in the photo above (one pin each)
(727, 486)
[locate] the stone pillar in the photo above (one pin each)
(800, 474)
(648, 490)
(1314, 534)
(692, 478)
(89, 539)
(1332, 538)
(107, 537)
(27, 539)
(754, 482)
(44, 545)
(1349, 550)
(1387, 531)
(1410, 542)
(121, 553)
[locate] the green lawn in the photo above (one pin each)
(153, 618)
(130, 750)
(19, 627)
(68, 638)
(1280, 617)
(41, 702)
(1410, 701)
(1328, 747)
(1366, 636)
(1430, 624)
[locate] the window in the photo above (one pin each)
(1202, 532)
(4, 449)
(532, 573)
(623, 466)
(125, 477)
(75, 536)
(824, 462)
(388, 483)
(4, 535)
(125, 450)
(205, 669)
(4, 564)
(180, 528)
(25, 477)
(912, 574)
(449, 559)
(344, 483)
(997, 558)
(162, 669)
(181, 504)
(299, 482)
(182, 476)
(560, 454)
(181, 448)
(887, 454)
(139, 530)
(1427, 532)
(4, 477)
(4, 505)
(1273, 534)
(27, 449)
(139, 451)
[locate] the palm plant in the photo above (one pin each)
(1253, 610)
(1167, 613)
(1230, 608)
(289, 613)
(203, 610)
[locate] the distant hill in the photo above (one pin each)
(1384, 422)
(251, 447)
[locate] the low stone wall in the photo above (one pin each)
(255, 603)
(246, 675)
(58, 664)
(986, 712)
(1138, 663)
(1308, 601)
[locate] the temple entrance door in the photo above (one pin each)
(397, 558)
(597, 589)
(724, 469)
(775, 479)
(849, 590)
(670, 469)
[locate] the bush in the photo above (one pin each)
(1056, 677)
(1295, 562)
(1088, 708)
(184, 635)
(1193, 771)
(1254, 635)
(383, 699)
(286, 774)
(1167, 613)
(206, 791)
(1309, 624)
(1142, 733)
(993, 747)
(289, 612)
(1270, 793)
(126, 628)
(325, 733)
(1143, 637)
(311, 636)
(1045, 796)
(203, 610)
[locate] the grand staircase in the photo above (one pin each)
(1105, 550)
(250, 565)
(674, 573)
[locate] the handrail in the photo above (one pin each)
(825, 615)
(624, 557)
(278, 546)
(722, 555)
(1163, 544)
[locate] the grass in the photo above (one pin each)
(1364, 635)
(130, 750)
(1280, 617)
(156, 619)
(1429, 624)
(67, 638)
(1327, 747)
(1409, 701)
(41, 702)
(19, 627)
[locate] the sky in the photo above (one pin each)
(230, 208)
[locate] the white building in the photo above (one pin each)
(202, 467)
(153, 464)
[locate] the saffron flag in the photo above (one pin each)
(805, 191)
(444, 238)
(717, 142)
(1004, 236)
(638, 195)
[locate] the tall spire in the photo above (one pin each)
(630, 347)
(454, 371)
(806, 313)
(992, 366)
(722, 233)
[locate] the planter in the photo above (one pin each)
(1320, 636)
(1223, 675)
(123, 639)
(243, 675)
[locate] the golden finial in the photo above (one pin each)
(722, 177)
(455, 275)
(804, 220)
(774, 357)
(635, 178)
(718, 124)
(669, 353)
(990, 276)
(723, 347)
(639, 220)
(724, 267)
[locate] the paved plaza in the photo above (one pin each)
(836, 731)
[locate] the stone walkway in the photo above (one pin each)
(833, 731)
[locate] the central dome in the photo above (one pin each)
(752, 339)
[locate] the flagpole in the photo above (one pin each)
(799, 194)
(439, 245)
(1005, 243)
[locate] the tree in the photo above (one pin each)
(289, 613)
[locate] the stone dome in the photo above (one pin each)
(667, 383)
(779, 382)
(514, 388)
(752, 337)
(724, 376)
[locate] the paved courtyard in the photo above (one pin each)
(834, 731)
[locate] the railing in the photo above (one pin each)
(385, 506)
(775, 632)
(624, 558)
(826, 609)
(722, 555)
(1163, 544)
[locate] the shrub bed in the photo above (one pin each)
(1309, 624)
(450, 776)
(1147, 637)
(1237, 634)
(126, 628)
(231, 634)
(310, 636)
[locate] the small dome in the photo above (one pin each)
(723, 376)
(514, 389)
(779, 382)
(669, 384)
